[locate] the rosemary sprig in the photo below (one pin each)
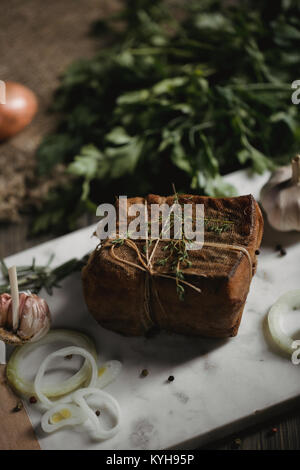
(35, 277)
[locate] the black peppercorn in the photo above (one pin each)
(97, 413)
(171, 378)
(257, 252)
(144, 373)
(69, 356)
(18, 407)
(282, 252)
(272, 431)
(236, 444)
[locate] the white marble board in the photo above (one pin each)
(219, 386)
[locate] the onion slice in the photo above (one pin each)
(76, 416)
(62, 353)
(71, 409)
(108, 372)
(14, 369)
(288, 301)
(106, 401)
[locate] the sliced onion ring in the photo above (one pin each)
(288, 301)
(62, 353)
(14, 371)
(111, 370)
(77, 417)
(104, 400)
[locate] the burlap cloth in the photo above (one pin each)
(38, 40)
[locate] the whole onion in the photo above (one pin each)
(18, 111)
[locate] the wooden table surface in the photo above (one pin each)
(14, 238)
(16, 430)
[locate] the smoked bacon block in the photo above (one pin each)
(125, 297)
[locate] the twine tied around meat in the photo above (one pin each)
(146, 265)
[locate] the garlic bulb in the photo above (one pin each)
(280, 197)
(33, 320)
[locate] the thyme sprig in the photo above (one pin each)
(177, 253)
(217, 225)
(34, 277)
(177, 249)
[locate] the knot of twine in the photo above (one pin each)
(146, 265)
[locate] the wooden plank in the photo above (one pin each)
(278, 432)
(16, 429)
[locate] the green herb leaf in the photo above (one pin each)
(189, 99)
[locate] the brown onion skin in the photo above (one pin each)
(19, 110)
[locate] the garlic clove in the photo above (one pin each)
(34, 319)
(22, 299)
(280, 197)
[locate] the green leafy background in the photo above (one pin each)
(174, 101)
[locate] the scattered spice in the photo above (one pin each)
(18, 407)
(272, 431)
(236, 444)
(97, 412)
(171, 378)
(282, 252)
(32, 400)
(144, 373)
(69, 356)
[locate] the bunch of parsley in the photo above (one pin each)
(171, 100)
